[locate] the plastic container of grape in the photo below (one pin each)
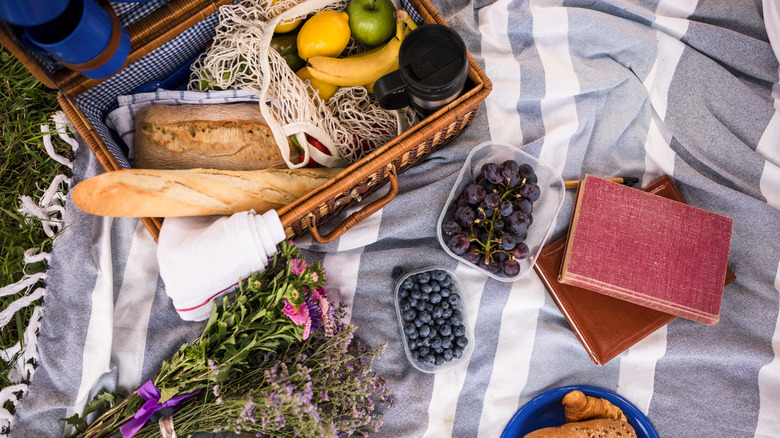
(545, 209)
(464, 308)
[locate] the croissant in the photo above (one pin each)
(577, 406)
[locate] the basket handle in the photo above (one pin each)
(357, 216)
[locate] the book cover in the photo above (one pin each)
(648, 250)
(605, 326)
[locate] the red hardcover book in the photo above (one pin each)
(604, 325)
(648, 250)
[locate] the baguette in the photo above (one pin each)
(195, 192)
(214, 136)
(601, 428)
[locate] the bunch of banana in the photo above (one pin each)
(363, 69)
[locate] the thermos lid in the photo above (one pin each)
(433, 61)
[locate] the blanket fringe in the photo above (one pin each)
(48, 212)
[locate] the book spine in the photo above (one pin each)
(627, 295)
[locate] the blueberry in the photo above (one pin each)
(409, 315)
(424, 342)
(445, 329)
(440, 321)
(404, 304)
(457, 318)
(429, 360)
(461, 341)
(439, 359)
(413, 335)
(423, 277)
(446, 281)
(423, 350)
(409, 327)
(438, 275)
(454, 300)
(416, 355)
(459, 330)
(421, 305)
(429, 307)
(435, 286)
(426, 288)
(424, 330)
(435, 298)
(412, 343)
(446, 342)
(445, 292)
(416, 294)
(447, 354)
(457, 352)
(403, 293)
(412, 302)
(418, 323)
(408, 283)
(425, 317)
(447, 312)
(437, 312)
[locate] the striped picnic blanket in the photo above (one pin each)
(610, 88)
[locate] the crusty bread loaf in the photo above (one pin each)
(602, 428)
(214, 136)
(195, 192)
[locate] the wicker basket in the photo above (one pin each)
(307, 213)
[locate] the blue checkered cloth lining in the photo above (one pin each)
(412, 11)
(96, 101)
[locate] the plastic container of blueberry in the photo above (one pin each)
(536, 204)
(432, 313)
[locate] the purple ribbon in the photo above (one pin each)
(151, 394)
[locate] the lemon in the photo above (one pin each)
(324, 34)
(324, 89)
(285, 26)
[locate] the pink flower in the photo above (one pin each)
(314, 276)
(297, 266)
(306, 328)
(298, 315)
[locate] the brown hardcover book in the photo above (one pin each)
(647, 249)
(605, 326)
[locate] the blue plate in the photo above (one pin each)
(545, 410)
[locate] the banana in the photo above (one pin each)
(359, 69)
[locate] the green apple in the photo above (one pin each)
(371, 21)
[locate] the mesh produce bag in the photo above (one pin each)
(350, 124)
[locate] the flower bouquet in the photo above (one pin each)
(275, 359)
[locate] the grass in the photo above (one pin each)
(25, 169)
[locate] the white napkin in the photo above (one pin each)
(202, 258)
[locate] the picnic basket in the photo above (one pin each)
(159, 30)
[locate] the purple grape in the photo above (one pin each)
(521, 251)
(516, 223)
(505, 208)
(498, 224)
(492, 172)
(508, 241)
(493, 200)
(450, 227)
(465, 216)
(529, 191)
(527, 172)
(524, 205)
(472, 255)
(510, 169)
(474, 193)
(459, 243)
(511, 268)
(489, 186)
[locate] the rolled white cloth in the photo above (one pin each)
(203, 258)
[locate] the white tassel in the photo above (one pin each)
(48, 210)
